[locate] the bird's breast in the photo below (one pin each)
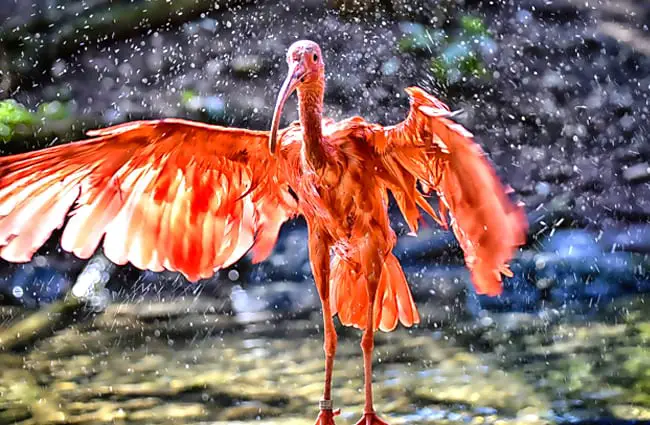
(339, 200)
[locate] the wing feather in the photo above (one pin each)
(166, 194)
(430, 149)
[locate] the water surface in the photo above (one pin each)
(135, 364)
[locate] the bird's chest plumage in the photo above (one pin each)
(318, 191)
(337, 196)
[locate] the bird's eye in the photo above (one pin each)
(315, 57)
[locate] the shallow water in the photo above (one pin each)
(131, 366)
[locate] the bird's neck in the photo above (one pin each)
(311, 114)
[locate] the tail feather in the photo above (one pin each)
(393, 303)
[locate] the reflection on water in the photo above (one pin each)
(124, 367)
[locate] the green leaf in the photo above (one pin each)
(473, 25)
(13, 113)
(5, 132)
(439, 69)
(472, 65)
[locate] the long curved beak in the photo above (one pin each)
(296, 72)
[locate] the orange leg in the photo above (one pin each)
(372, 263)
(320, 262)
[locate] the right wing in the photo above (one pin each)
(440, 154)
(167, 194)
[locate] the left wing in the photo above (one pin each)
(168, 194)
(440, 154)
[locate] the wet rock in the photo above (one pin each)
(278, 299)
(601, 290)
(572, 244)
(179, 308)
(171, 411)
(519, 294)
(439, 292)
(634, 237)
(442, 282)
(249, 411)
(492, 390)
(281, 268)
(588, 278)
(631, 412)
(628, 154)
(35, 284)
(589, 172)
(506, 325)
(23, 397)
(556, 173)
(560, 10)
(430, 244)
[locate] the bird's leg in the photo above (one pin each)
(367, 345)
(372, 259)
(320, 263)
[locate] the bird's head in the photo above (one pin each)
(306, 69)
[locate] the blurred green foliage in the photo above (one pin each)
(53, 110)
(454, 57)
(419, 39)
(187, 96)
(13, 115)
(473, 25)
(16, 119)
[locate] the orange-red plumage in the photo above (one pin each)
(168, 194)
(190, 197)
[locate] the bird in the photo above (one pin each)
(185, 196)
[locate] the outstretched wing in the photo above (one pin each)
(167, 194)
(438, 153)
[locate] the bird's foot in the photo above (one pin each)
(326, 416)
(371, 419)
